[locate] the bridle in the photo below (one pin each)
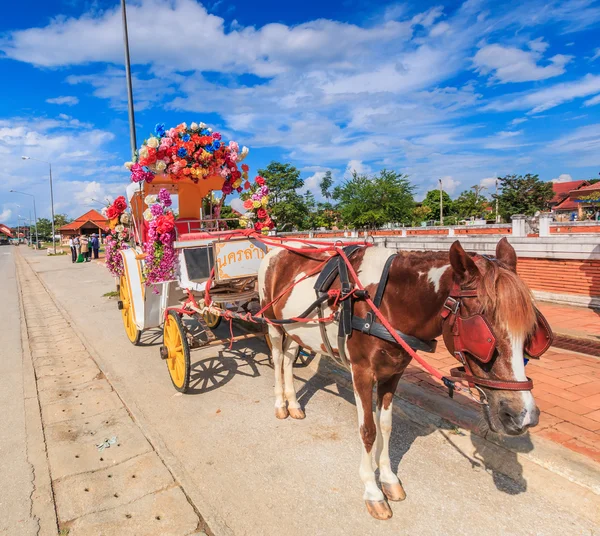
(474, 336)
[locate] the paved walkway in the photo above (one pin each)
(566, 384)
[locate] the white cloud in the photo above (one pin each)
(593, 101)
(66, 100)
(488, 182)
(518, 121)
(596, 54)
(563, 177)
(357, 166)
(510, 64)
(538, 45)
(580, 147)
(312, 184)
(5, 216)
(544, 99)
(449, 184)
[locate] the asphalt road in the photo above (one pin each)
(251, 474)
(16, 474)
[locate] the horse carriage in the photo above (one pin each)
(367, 307)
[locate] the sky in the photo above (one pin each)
(457, 91)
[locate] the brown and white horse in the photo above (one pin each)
(418, 286)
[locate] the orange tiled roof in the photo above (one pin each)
(92, 216)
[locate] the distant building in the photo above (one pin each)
(92, 222)
(563, 203)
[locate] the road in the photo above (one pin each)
(16, 472)
(248, 473)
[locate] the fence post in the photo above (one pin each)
(518, 225)
(545, 220)
(450, 231)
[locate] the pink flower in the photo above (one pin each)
(216, 136)
(234, 147)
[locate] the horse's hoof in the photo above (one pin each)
(296, 413)
(379, 509)
(281, 413)
(393, 492)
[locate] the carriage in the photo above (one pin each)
(203, 253)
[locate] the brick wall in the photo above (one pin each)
(561, 276)
(555, 229)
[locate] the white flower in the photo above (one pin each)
(202, 125)
(144, 152)
(243, 154)
(119, 228)
(184, 125)
(103, 211)
(160, 166)
(209, 129)
(151, 199)
(153, 142)
(128, 165)
(125, 218)
(194, 126)
(148, 215)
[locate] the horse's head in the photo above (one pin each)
(498, 319)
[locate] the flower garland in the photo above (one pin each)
(256, 205)
(116, 240)
(193, 152)
(161, 259)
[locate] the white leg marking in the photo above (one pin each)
(366, 472)
(277, 353)
(517, 343)
(288, 375)
(435, 274)
(382, 454)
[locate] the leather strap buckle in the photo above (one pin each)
(452, 305)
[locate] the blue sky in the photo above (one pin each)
(461, 91)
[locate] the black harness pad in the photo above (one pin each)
(332, 270)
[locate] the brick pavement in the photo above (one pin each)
(566, 384)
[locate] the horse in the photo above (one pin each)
(422, 292)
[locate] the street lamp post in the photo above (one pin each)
(37, 240)
(51, 197)
(441, 203)
(497, 217)
(132, 137)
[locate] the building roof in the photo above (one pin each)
(562, 189)
(91, 216)
(587, 189)
(5, 230)
(568, 204)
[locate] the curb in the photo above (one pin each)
(42, 498)
(583, 345)
(422, 406)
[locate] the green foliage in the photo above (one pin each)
(45, 225)
(287, 206)
(421, 213)
(523, 195)
(432, 201)
(227, 212)
(372, 202)
(325, 185)
(469, 204)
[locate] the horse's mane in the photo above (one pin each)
(505, 297)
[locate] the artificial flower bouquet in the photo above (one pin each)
(116, 240)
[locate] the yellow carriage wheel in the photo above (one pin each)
(177, 352)
(131, 330)
(212, 320)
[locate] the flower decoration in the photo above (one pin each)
(194, 153)
(160, 262)
(256, 203)
(116, 240)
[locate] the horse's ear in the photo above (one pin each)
(506, 254)
(461, 262)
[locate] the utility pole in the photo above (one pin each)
(441, 203)
(132, 137)
(497, 217)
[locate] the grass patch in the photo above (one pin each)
(111, 294)
(57, 254)
(64, 532)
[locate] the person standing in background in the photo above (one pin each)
(95, 243)
(85, 248)
(73, 249)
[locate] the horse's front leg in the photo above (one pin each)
(277, 349)
(390, 484)
(363, 393)
(290, 351)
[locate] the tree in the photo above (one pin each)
(45, 225)
(523, 195)
(593, 200)
(372, 202)
(432, 201)
(325, 185)
(469, 204)
(286, 205)
(226, 213)
(421, 213)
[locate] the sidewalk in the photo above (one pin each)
(566, 384)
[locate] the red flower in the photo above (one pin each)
(227, 188)
(258, 226)
(245, 167)
(247, 185)
(261, 213)
(165, 223)
(260, 181)
(151, 155)
(112, 213)
(120, 204)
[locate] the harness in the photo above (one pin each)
(347, 321)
